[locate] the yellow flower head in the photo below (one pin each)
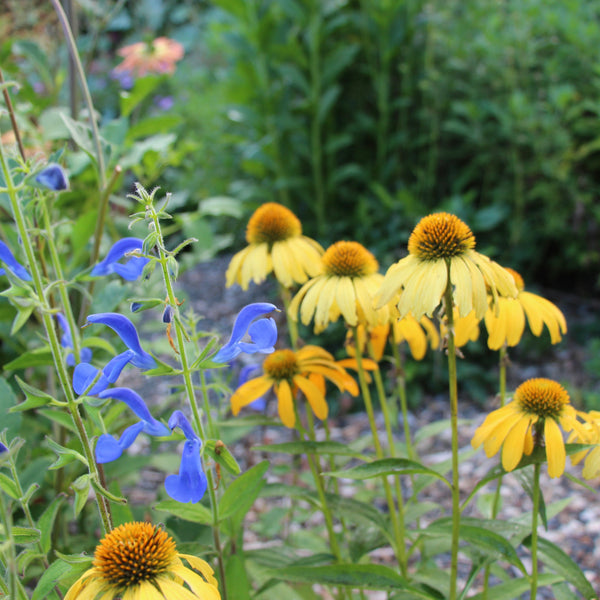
(139, 561)
(345, 287)
(275, 244)
(159, 57)
(538, 407)
(589, 435)
(442, 243)
(287, 372)
(505, 323)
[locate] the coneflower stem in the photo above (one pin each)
(496, 503)
(366, 394)
(453, 392)
(534, 527)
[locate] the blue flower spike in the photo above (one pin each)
(7, 257)
(53, 177)
(126, 248)
(191, 483)
(262, 333)
(66, 341)
(125, 329)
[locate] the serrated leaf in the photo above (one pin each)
(195, 513)
(387, 466)
(310, 447)
(242, 492)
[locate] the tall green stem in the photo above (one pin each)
(366, 395)
(453, 392)
(496, 502)
(163, 259)
(534, 527)
(401, 391)
(55, 348)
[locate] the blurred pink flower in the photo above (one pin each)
(158, 56)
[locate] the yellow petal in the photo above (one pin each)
(250, 391)
(462, 280)
(555, 448)
(514, 445)
(591, 467)
(175, 591)
(232, 275)
(283, 266)
(498, 434)
(202, 566)
(345, 298)
(285, 404)
(314, 396)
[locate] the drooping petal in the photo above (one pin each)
(125, 329)
(53, 177)
(132, 269)
(555, 448)
(246, 373)
(263, 334)
(190, 484)
(109, 449)
(119, 250)
(178, 419)
(285, 404)
(514, 445)
(241, 326)
(314, 396)
(7, 257)
(115, 365)
(250, 391)
(135, 402)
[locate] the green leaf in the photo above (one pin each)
(489, 542)
(369, 577)
(143, 87)
(22, 316)
(310, 447)
(525, 477)
(196, 513)
(49, 579)
(242, 492)
(40, 357)
(386, 466)
(8, 399)
(25, 535)
(515, 587)
(562, 564)
(238, 585)
(9, 487)
(33, 397)
(222, 455)
(65, 455)
(46, 522)
(81, 487)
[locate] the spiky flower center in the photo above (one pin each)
(282, 364)
(542, 397)
(134, 552)
(271, 223)
(519, 283)
(349, 259)
(439, 236)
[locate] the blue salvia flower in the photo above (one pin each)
(129, 270)
(262, 333)
(66, 341)
(3, 448)
(84, 373)
(53, 177)
(107, 447)
(191, 483)
(11, 263)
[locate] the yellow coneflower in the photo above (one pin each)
(506, 322)
(417, 334)
(345, 287)
(590, 435)
(139, 561)
(275, 244)
(538, 407)
(287, 372)
(439, 242)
